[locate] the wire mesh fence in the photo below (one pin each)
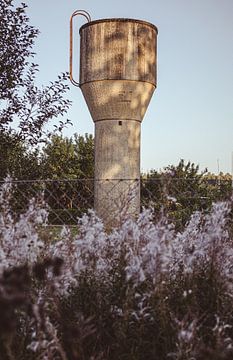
(69, 199)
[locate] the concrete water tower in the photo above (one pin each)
(117, 79)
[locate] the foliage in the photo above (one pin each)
(22, 104)
(182, 189)
(64, 170)
(16, 159)
(68, 158)
(16, 42)
(71, 159)
(142, 291)
(60, 158)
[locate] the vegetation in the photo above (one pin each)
(182, 189)
(68, 158)
(143, 291)
(16, 159)
(68, 163)
(146, 290)
(25, 109)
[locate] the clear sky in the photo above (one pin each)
(191, 113)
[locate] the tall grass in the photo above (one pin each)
(142, 291)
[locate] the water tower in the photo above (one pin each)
(117, 78)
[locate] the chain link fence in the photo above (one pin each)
(68, 199)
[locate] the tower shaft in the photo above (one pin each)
(117, 169)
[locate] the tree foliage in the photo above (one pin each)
(25, 109)
(70, 158)
(16, 42)
(60, 158)
(182, 189)
(17, 160)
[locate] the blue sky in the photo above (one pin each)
(191, 113)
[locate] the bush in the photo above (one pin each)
(142, 291)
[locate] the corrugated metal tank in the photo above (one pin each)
(117, 79)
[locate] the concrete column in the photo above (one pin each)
(117, 170)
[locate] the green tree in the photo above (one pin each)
(84, 148)
(16, 41)
(68, 158)
(25, 109)
(152, 190)
(70, 163)
(17, 160)
(181, 190)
